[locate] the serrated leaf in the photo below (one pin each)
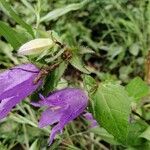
(61, 11)
(112, 110)
(13, 14)
(14, 38)
(76, 62)
(137, 88)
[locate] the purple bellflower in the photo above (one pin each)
(15, 85)
(62, 107)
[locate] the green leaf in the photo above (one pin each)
(76, 62)
(13, 37)
(124, 73)
(89, 83)
(54, 77)
(23, 120)
(7, 50)
(61, 11)
(135, 130)
(146, 134)
(104, 135)
(34, 145)
(145, 145)
(3, 147)
(137, 88)
(112, 110)
(134, 49)
(13, 14)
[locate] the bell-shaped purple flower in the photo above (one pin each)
(63, 106)
(15, 85)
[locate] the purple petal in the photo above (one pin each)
(48, 102)
(50, 117)
(16, 84)
(72, 103)
(5, 106)
(56, 129)
(11, 79)
(72, 96)
(89, 117)
(67, 116)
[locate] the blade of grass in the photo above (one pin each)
(61, 11)
(15, 16)
(14, 38)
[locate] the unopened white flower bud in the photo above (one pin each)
(35, 46)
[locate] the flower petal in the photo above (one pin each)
(5, 106)
(50, 117)
(72, 102)
(50, 101)
(89, 117)
(56, 129)
(11, 79)
(16, 84)
(67, 116)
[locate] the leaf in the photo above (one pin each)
(135, 130)
(54, 77)
(34, 145)
(76, 62)
(85, 50)
(13, 14)
(134, 49)
(3, 147)
(7, 50)
(112, 110)
(124, 72)
(61, 11)
(89, 83)
(146, 134)
(104, 135)
(137, 88)
(13, 37)
(145, 145)
(23, 120)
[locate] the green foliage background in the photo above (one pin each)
(109, 40)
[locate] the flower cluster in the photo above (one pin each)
(62, 106)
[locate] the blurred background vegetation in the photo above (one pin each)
(113, 37)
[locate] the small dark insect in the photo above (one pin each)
(147, 69)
